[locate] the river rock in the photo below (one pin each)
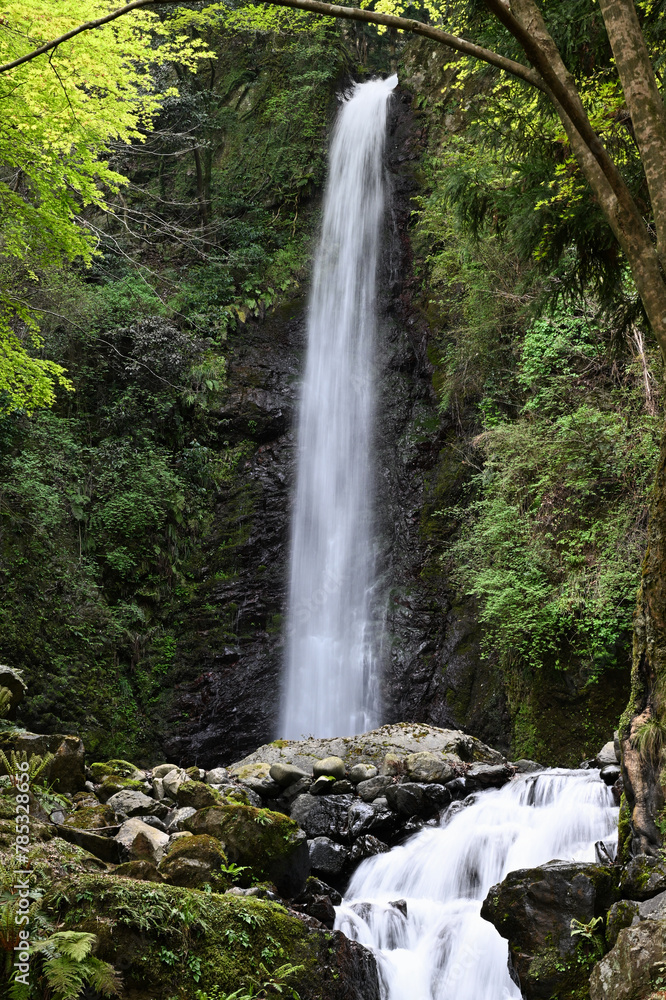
(435, 798)
(488, 775)
(362, 772)
(127, 803)
(642, 878)
(269, 843)
(426, 767)
(343, 787)
(327, 858)
(286, 774)
(366, 846)
(329, 766)
(66, 772)
(402, 739)
(216, 776)
(394, 765)
(265, 788)
(13, 681)
(405, 799)
(196, 794)
(610, 773)
(292, 792)
(178, 817)
(370, 817)
(323, 816)
(323, 785)
(163, 769)
(173, 780)
(525, 766)
(606, 755)
(370, 789)
(250, 769)
(193, 861)
(533, 909)
(629, 970)
(142, 841)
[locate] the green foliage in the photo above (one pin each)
(274, 984)
(591, 934)
(37, 764)
(69, 966)
(5, 701)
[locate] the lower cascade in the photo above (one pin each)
(418, 906)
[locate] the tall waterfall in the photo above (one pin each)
(331, 683)
(442, 948)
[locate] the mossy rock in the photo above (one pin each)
(194, 774)
(195, 861)
(112, 784)
(162, 937)
(90, 818)
(117, 768)
(142, 871)
(271, 844)
(197, 795)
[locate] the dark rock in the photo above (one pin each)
(457, 788)
(435, 798)
(373, 787)
(411, 826)
(155, 822)
(323, 785)
(370, 817)
(323, 816)
(264, 788)
(327, 858)
(319, 907)
(620, 915)
(364, 847)
(488, 775)
(405, 799)
(343, 787)
(105, 848)
(315, 887)
(348, 971)
(66, 772)
(610, 773)
(642, 878)
(401, 905)
(533, 909)
(142, 871)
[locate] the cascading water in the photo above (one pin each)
(331, 684)
(442, 949)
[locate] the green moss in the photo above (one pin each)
(624, 831)
(116, 768)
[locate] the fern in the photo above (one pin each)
(73, 944)
(69, 966)
(37, 764)
(5, 701)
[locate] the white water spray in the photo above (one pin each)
(442, 949)
(331, 684)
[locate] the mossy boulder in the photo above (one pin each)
(142, 871)
(170, 941)
(90, 818)
(271, 844)
(197, 795)
(632, 969)
(533, 909)
(194, 861)
(116, 768)
(643, 877)
(113, 783)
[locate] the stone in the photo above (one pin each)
(370, 817)
(366, 846)
(620, 915)
(426, 766)
(90, 818)
(323, 785)
(158, 789)
(406, 799)
(271, 844)
(606, 755)
(163, 769)
(533, 909)
(326, 857)
(323, 815)
(117, 769)
(371, 788)
(13, 681)
(66, 772)
(263, 787)
(196, 794)
(113, 784)
(362, 772)
(631, 967)
(610, 773)
(315, 886)
(105, 848)
(178, 817)
(253, 769)
(286, 774)
(127, 803)
(298, 788)
(319, 907)
(155, 821)
(642, 878)
(216, 776)
(195, 773)
(457, 788)
(524, 766)
(330, 767)
(173, 780)
(143, 842)
(435, 798)
(370, 748)
(142, 871)
(394, 765)
(179, 835)
(194, 861)
(409, 827)
(488, 775)
(343, 787)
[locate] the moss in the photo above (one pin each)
(624, 831)
(112, 784)
(170, 941)
(90, 818)
(117, 768)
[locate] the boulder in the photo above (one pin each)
(158, 789)
(620, 915)
(128, 803)
(333, 767)
(533, 909)
(435, 798)
(117, 768)
(426, 766)
(195, 773)
(323, 785)
(643, 877)
(143, 842)
(66, 772)
(610, 773)
(178, 817)
(216, 776)
(173, 780)
(163, 769)
(524, 766)
(250, 769)
(364, 847)
(406, 799)
(606, 755)
(370, 817)
(327, 858)
(402, 739)
(113, 784)
(394, 765)
(343, 787)
(13, 681)
(196, 794)
(286, 774)
(265, 788)
(105, 848)
(630, 970)
(268, 842)
(362, 772)
(323, 815)
(142, 871)
(90, 818)
(193, 862)
(488, 775)
(373, 787)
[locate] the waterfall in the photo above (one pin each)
(442, 948)
(331, 684)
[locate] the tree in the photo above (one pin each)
(640, 234)
(59, 115)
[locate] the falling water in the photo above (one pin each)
(442, 949)
(331, 684)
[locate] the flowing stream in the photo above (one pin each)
(442, 949)
(331, 683)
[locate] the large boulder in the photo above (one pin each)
(637, 962)
(129, 803)
(271, 844)
(143, 842)
(193, 862)
(323, 815)
(534, 908)
(13, 682)
(66, 772)
(400, 739)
